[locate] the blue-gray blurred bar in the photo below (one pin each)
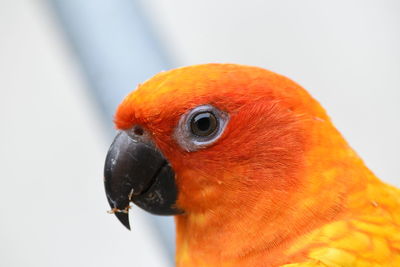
(117, 49)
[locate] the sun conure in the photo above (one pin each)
(253, 170)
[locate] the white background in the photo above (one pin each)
(52, 144)
(52, 151)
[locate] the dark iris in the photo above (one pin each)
(203, 124)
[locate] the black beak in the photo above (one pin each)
(136, 171)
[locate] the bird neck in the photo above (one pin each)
(262, 220)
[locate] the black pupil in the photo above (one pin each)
(203, 124)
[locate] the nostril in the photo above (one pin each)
(138, 130)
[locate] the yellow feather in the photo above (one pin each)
(369, 236)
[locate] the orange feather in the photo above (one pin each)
(280, 186)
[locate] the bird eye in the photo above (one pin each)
(200, 127)
(203, 124)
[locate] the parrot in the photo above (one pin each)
(252, 169)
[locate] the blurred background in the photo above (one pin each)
(65, 65)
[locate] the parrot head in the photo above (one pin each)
(212, 137)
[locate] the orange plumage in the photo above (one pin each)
(280, 187)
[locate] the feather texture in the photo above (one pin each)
(280, 187)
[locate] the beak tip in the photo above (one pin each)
(124, 219)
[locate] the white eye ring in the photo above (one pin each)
(192, 142)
